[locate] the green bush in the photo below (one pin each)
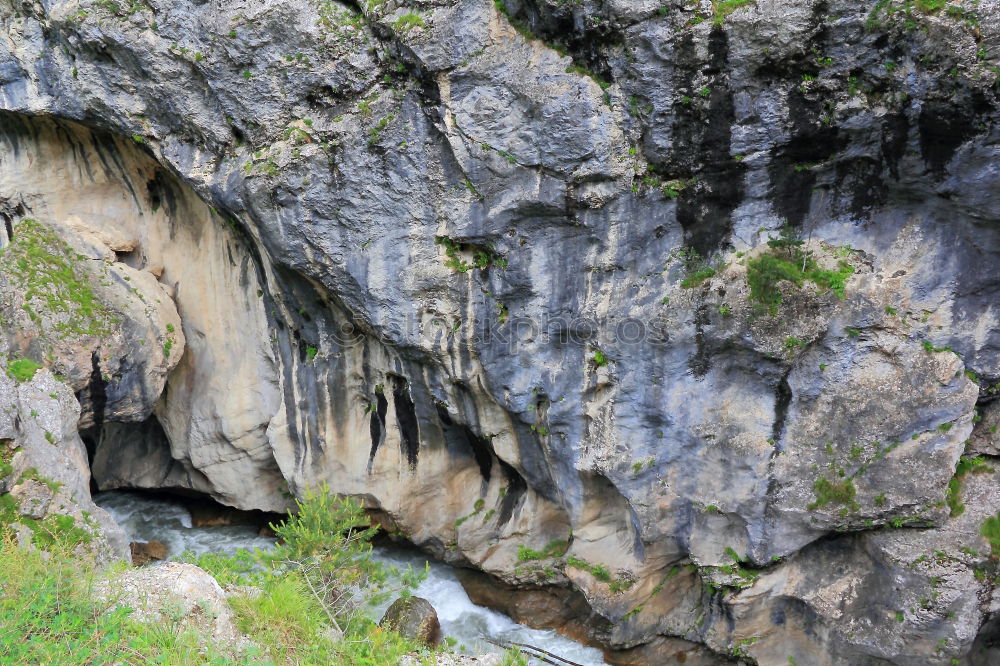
(787, 262)
(320, 575)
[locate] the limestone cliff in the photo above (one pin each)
(514, 273)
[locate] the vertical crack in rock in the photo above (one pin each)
(97, 399)
(406, 420)
(700, 362)
(517, 488)
(462, 441)
(782, 400)
(377, 426)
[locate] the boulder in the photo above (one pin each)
(175, 592)
(413, 617)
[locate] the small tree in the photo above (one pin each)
(789, 243)
(327, 543)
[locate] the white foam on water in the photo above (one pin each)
(146, 517)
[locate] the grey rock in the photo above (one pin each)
(173, 591)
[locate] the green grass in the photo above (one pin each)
(583, 71)
(885, 10)
(931, 349)
(51, 531)
(697, 277)
(551, 550)
(408, 22)
(31, 474)
(48, 616)
(991, 530)
(723, 8)
(22, 370)
(598, 571)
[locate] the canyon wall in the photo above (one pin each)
(515, 274)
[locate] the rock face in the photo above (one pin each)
(44, 477)
(413, 617)
(507, 276)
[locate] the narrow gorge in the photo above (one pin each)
(673, 324)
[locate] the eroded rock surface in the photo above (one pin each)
(491, 271)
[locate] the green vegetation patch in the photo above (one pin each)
(408, 22)
(991, 530)
(598, 571)
(787, 262)
(965, 466)
(482, 257)
(551, 550)
(54, 531)
(834, 492)
(54, 281)
(319, 577)
(22, 370)
(697, 277)
(697, 269)
(909, 11)
(723, 8)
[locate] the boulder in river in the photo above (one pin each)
(145, 552)
(413, 617)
